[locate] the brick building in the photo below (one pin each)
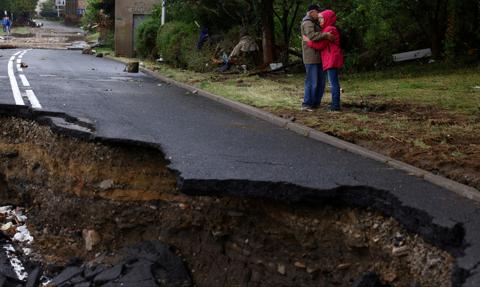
(74, 10)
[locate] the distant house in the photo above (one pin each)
(60, 5)
(74, 10)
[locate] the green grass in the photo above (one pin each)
(17, 30)
(21, 30)
(448, 88)
(93, 37)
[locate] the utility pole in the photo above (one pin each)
(164, 11)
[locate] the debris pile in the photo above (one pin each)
(15, 240)
(148, 264)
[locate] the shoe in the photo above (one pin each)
(307, 109)
(334, 110)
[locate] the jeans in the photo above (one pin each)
(314, 85)
(333, 78)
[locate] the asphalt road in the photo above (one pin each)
(215, 148)
(58, 27)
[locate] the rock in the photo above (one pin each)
(344, 266)
(400, 251)
(312, 270)
(9, 154)
(433, 262)
(398, 240)
(8, 228)
(132, 67)
(106, 184)
(389, 277)
(356, 240)
(91, 238)
(299, 264)
(282, 269)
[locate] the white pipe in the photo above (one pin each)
(164, 11)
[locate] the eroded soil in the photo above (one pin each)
(433, 139)
(127, 194)
(55, 37)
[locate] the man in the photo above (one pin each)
(314, 81)
(3, 24)
(7, 25)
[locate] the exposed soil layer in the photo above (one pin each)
(429, 138)
(126, 194)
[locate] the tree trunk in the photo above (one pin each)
(268, 40)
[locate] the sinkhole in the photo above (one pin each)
(115, 211)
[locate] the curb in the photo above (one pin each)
(453, 186)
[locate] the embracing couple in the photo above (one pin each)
(322, 56)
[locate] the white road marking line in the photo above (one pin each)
(19, 61)
(17, 53)
(13, 82)
(24, 80)
(33, 99)
(19, 68)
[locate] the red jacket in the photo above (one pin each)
(332, 56)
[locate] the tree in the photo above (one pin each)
(22, 9)
(268, 32)
(47, 9)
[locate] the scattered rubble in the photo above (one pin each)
(132, 67)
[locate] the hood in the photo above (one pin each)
(330, 18)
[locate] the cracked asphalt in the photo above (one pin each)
(217, 150)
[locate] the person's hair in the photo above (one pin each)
(313, 7)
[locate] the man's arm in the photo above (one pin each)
(309, 30)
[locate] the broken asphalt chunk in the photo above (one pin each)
(34, 277)
(66, 275)
(109, 274)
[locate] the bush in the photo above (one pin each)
(177, 44)
(146, 38)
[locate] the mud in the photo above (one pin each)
(127, 194)
(433, 139)
(41, 38)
